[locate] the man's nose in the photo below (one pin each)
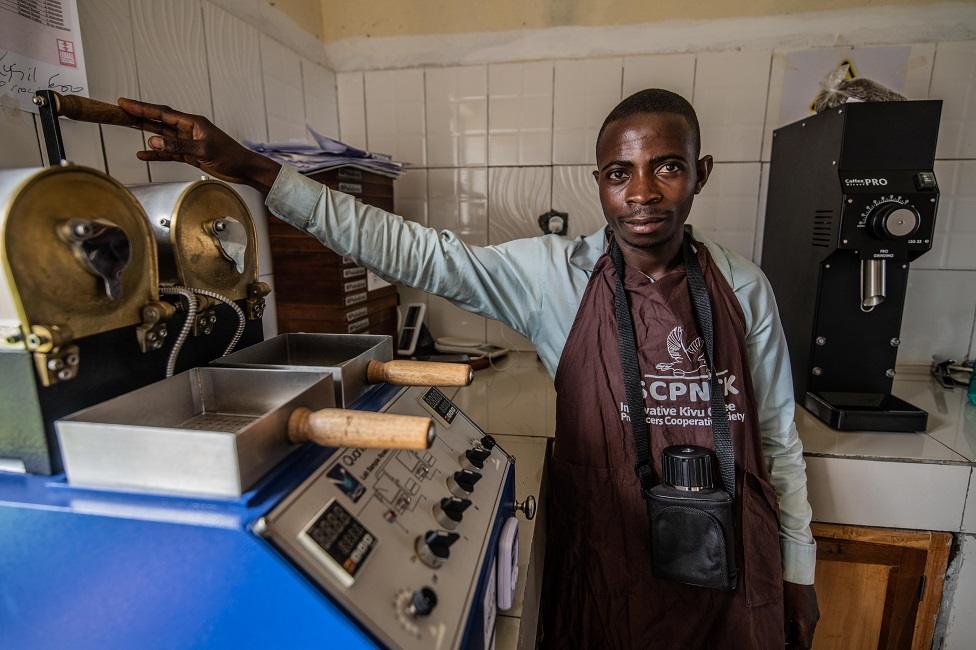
(643, 189)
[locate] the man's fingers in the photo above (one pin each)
(158, 156)
(176, 146)
(158, 128)
(157, 113)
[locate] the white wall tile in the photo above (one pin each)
(458, 201)
(457, 116)
(585, 92)
(730, 99)
(352, 108)
(20, 139)
(283, 94)
(761, 213)
(171, 60)
(674, 72)
(955, 222)
(83, 143)
(940, 307)
(444, 319)
(938, 320)
(887, 493)
(395, 122)
(725, 211)
(321, 104)
(106, 27)
(954, 82)
(410, 195)
(520, 113)
(516, 198)
(234, 60)
(121, 146)
(270, 321)
(574, 191)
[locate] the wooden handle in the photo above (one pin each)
(345, 428)
(419, 373)
(91, 110)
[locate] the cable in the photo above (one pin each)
(191, 314)
(241, 320)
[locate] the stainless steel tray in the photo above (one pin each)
(209, 431)
(344, 356)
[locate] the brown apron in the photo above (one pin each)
(598, 590)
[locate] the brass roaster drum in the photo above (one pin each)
(77, 254)
(205, 236)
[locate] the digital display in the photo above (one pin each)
(343, 538)
(442, 406)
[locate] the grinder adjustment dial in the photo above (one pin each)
(892, 218)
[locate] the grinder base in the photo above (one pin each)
(866, 412)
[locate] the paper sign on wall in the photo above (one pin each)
(40, 49)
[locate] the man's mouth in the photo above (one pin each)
(644, 223)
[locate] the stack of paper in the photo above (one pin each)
(325, 154)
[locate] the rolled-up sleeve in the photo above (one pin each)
(773, 384)
(501, 282)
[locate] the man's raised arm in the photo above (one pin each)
(500, 282)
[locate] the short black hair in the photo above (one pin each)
(655, 100)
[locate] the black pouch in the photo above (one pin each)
(693, 538)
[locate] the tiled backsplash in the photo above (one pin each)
(542, 119)
(494, 146)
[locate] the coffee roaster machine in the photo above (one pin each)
(303, 491)
(852, 203)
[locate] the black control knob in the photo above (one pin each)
(488, 442)
(434, 546)
(462, 482)
(477, 456)
(450, 511)
(422, 602)
(893, 221)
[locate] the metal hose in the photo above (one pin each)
(241, 320)
(191, 314)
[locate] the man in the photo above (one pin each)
(599, 589)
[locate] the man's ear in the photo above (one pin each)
(596, 176)
(704, 167)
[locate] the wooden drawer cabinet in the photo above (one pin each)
(878, 587)
(317, 290)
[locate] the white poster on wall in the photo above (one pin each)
(40, 49)
(807, 71)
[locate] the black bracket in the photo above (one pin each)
(47, 107)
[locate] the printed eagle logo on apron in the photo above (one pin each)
(693, 355)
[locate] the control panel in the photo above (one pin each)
(400, 539)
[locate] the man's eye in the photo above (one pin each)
(616, 175)
(670, 168)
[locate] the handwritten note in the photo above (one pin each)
(40, 49)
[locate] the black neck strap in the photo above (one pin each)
(702, 308)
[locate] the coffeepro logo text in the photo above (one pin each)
(866, 182)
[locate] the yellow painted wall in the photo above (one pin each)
(307, 14)
(371, 18)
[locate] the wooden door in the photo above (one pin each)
(877, 587)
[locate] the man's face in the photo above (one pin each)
(648, 176)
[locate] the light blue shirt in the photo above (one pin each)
(535, 286)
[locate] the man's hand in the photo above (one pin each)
(802, 614)
(195, 140)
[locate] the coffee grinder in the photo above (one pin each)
(852, 202)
